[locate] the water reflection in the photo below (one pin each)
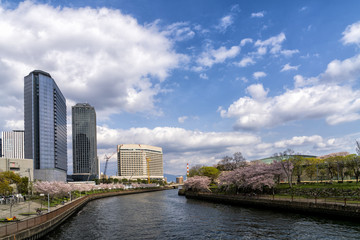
(165, 215)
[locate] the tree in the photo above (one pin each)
(331, 167)
(197, 184)
(210, 172)
(250, 178)
(311, 167)
(194, 171)
(284, 158)
(353, 162)
(232, 163)
(298, 163)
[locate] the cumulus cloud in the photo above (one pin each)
(258, 14)
(100, 56)
(341, 71)
(257, 91)
(246, 61)
(177, 143)
(212, 56)
(258, 75)
(314, 102)
(336, 72)
(225, 22)
(273, 44)
(288, 67)
(351, 35)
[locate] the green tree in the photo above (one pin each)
(298, 163)
(353, 164)
(194, 171)
(23, 186)
(210, 172)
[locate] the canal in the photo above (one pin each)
(165, 215)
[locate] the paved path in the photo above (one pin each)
(23, 207)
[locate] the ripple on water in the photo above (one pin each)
(165, 215)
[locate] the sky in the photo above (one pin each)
(201, 79)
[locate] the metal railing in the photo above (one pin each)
(16, 227)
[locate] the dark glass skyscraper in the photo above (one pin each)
(45, 126)
(85, 161)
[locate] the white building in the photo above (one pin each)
(133, 160)
(13, 144)
(23, 167)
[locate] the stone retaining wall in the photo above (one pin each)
(37, 227)
(323, 209)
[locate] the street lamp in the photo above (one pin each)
(48, 200)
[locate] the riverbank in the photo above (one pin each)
(316, 208)
(36, 227)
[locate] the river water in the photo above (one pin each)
(165, 215)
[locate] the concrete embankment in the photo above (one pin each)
(37, 227)
(312, 208)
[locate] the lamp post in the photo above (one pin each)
(48, 203)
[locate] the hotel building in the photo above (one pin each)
(132, 161)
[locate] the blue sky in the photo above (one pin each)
(201, 79)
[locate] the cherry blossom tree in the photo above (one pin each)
(256, 176)
(197, 183)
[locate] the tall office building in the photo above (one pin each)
(132, 161)
(13, 144)
(85, 161)
(45, 126)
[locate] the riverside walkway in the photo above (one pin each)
(36, 226)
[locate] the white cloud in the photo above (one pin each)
(212, 56)
(258, 14)
(258, 75)
(73, 45)
(179, 145)
(336, 72)
(243, 79)
(180, 31)
(351, 35)
(342, 105)
(245, 41)
(257, 91)
(289, 53)
(225, 22)
(204, 76)
(288, 67)
(342, 71)
(246, 61)
(274, 43)
(299, 141)
(182, 119)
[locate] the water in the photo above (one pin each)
(165, 215)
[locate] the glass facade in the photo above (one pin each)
(85, 159)
(45, 122)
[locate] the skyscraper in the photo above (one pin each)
(45, 126)
(13, 144)
(85, 161)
